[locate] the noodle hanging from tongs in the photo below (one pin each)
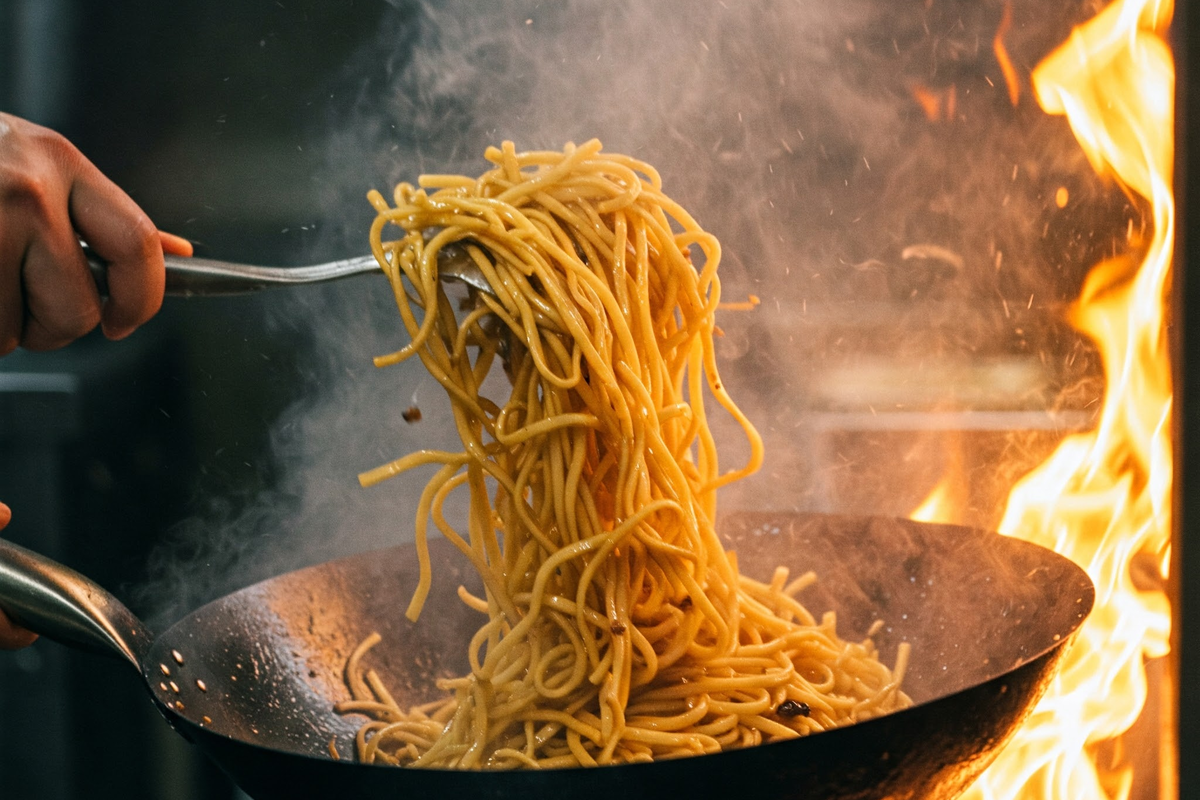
(615, 627)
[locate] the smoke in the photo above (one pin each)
(790, 129)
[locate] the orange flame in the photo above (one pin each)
(937, 506)
(1001, 53)
(938, 104)
(1103, 498)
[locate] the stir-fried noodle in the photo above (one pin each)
(614, 626)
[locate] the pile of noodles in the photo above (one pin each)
(614, 626)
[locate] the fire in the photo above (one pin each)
(939, 505)
(1001, 52)
(938, 105)
(1103, 498)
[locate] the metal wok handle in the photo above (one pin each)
(60, 604)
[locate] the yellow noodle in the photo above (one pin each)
(617, 629)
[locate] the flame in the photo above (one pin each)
(937, 104)
(1103, 498)
(938, 506)
(1001, 53)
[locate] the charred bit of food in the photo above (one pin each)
(790, 708)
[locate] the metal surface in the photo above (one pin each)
(206, 277)
(251, 678)
(67, 607)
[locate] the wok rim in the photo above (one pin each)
(194, 731)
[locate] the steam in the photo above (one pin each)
(789, 129)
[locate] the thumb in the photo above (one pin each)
(12, 637)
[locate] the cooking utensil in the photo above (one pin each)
(188, 276)
(251, 678)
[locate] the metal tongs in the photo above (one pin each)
(206, 277)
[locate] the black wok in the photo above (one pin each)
(251, 678)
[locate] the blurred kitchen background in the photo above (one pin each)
(205, 112)
(863, 163)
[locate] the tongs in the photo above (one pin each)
(206, 277)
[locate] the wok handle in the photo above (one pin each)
(60, 604)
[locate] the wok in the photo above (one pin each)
(251, 678)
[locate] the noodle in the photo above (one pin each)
(617, 627)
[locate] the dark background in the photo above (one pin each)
(207, 114)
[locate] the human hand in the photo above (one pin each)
(51, 196)
(11, 636)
